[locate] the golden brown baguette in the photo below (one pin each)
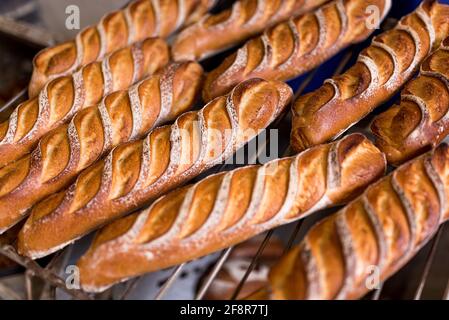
(228, 208)
(296, 46)
(379, 73)
(383, 229)
(61, 98)
(217, 32)
(420, 121)
(122, 116)
(135, 173)
(139, 20)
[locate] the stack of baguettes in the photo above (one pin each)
(72, 167)
(50, 139)
(84, 105)
(140, 19)
(133, 174)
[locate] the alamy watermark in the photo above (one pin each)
(73, 21)
(374, 17)
(372, 281)
(73, 277)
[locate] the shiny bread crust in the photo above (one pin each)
(380, 71)
(420, 121)
(378, 232)
(298, 45)
(229, 208)
(140, 19)
(62, 97)
(246, 18)
(121, 117)
(137, 172)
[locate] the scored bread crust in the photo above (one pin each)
(135, 173)
(376, 234)
(62, 97)
(217, 32)
(420, 121)
(296, 46)
(122, 116)
(138, 20)
(380, 71)
(228, 208)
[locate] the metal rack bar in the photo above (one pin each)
(55, 265)
(252, 265)
(293, 236)
(221, 260)
(42, 273)
(446, 292)
(428, 265)
(7, 293)
(130, 285)
(26, 32)
(14, 101)
(167, 285)
(29, 284)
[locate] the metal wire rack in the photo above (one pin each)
(49, 274)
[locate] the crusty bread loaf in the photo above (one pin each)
(228, 208)
(296, 46)
(217, 32)
(379, 232)
(135, 173)
(420, 121)
(122, 116)
(61, 98)
(139, 20)
(379, 73)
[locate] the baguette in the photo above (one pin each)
(379, 73)
(62, 97)
(296, 46)
(135, 173)
(122, 116)
(228, 208)
(383, 229)
(139, 20)
(420, 122)
(217, 32)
